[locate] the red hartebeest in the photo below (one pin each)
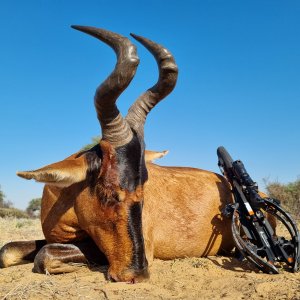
(109, 200)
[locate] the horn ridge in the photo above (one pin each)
(168, 73)
(115, 129)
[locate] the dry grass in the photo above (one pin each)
(19, 229)
(12, 212)
(50, 288)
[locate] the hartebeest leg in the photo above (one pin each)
(64, 258)
(21, 252)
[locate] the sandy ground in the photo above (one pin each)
(190, 278)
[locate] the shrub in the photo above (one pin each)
(3, 202)
(13, 212)
(34, 208)
(288, 194)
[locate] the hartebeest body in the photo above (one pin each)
(109, 200)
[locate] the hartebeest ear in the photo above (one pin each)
(150, 156)
(63, 173)
(72, 169)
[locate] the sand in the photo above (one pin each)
(189, 278)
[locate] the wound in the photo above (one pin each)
(107, 181)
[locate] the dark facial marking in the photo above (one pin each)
(133, 174)
(139, 261)
(131, 164)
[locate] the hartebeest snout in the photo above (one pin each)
(109, 199)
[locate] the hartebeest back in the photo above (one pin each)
(109, 196)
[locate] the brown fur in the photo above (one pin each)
(101, 196)
(64, 173)
(19, 252)
(183, 218)
(105, 218)
(181, 213)
(150, 156)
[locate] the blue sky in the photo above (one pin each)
(238, 85)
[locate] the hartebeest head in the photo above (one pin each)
(114, 172)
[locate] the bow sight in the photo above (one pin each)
(251, 215)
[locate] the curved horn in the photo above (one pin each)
(168, 73)
(114, 128)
